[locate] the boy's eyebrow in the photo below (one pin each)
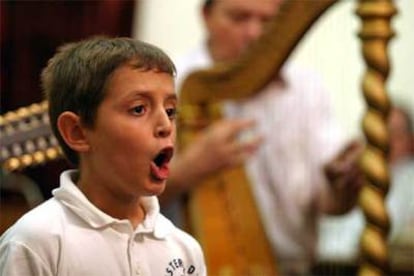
(172, 96)
(144, 93)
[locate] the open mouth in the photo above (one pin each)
(159, 165)
(163, 157)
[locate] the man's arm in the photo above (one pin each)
(216, 148)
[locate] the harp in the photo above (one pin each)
(215, 206)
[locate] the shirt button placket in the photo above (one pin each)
(138, 271)
(135, 269)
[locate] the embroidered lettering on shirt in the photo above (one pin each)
(176, 267)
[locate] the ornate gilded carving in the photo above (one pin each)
(375, 34)
(26, 138)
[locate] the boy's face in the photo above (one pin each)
(133, 138)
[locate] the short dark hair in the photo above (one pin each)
(76, 77)
(207, 4)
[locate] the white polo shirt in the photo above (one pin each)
(68, 235)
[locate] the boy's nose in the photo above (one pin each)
(163, 131)
(164, 127)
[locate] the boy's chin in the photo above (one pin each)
(156, 188)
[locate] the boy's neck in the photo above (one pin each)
(112, 204)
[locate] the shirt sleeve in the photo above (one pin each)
(201, 261)
(18, 260)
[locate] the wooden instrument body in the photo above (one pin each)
(223, 213)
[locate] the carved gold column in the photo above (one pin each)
(375, 34)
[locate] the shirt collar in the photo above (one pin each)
(70, 196)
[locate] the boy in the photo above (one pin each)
(112, 107)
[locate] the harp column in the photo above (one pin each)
(375, 35)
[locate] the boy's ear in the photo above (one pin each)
(72, 132)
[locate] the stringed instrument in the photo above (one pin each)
(222, 211)
(217, 205)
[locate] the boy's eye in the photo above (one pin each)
(139, 109)
(171, 112)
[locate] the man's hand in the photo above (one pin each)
(217, 147)
(345, 178)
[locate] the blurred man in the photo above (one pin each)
(294, 162)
